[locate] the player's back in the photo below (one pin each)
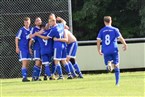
(58, 32)
(71, 37)
(109, 36)
(46, 46)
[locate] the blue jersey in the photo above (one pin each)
(23, 36)
(36, 45)
(46, 46)
(58, 32)
(109, 36)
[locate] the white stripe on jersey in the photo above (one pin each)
(31, 31)
(49, 34)
(71, 49)
(55, 53)
(19, 34)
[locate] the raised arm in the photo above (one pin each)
(61, 20)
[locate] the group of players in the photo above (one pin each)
(49, 44)
(54, 40)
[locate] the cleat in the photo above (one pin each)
(109, 66)
(37, 79)
(81, 77)
(45, 77)
(25, 80)
(52, 78)
(60, 78)
(70, 77)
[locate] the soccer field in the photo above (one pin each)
(97, 85)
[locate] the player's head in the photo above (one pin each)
(52, 16)
(107, 20)
(27, 21)
(52, 22)
(38, 21)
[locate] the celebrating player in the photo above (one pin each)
(57, 31)
(36, 51)
(22, 47)
(108, 35)
(72, 46)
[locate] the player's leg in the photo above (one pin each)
(37, 67)
(45, 62)
(108, 62)
(116, 67)
(70, 49)
(72, 54)
(57, 58)
(64, 62)
(76, 66)
(24, 57)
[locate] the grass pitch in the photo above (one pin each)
(132, 84)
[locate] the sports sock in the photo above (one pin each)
(67, 69)
(36, 72)
(24, 73)
(47, 70)
(59, 70)
(117, 75)
(72, 69)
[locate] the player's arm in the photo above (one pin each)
(61, 20)
(30, 45)
(121, 39)
(17, 43)
(65, 39)
(99, 46)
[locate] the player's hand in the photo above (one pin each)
(17, 50)
(55, 39)
(100, 52)
(41, 31)
(31, 36)
(124, 47)
(30, 50)
(58, 18)
(36, 34)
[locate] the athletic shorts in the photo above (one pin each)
(72, 49)
(36, 55)
(24, 55)
(112, 57)
(46, 59)
(60, 53)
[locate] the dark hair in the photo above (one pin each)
(107, 19)
(42, 26)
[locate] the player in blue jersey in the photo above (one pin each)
(108, 35)
(57, 30)
(46, 50)
(22, 47)
(72, 46)
(36, 51)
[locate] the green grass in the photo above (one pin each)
(97, 85)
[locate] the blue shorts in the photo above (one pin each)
(24, 55)
(72, 49)
(60, 53)
(46, 58)
(112, 57)
(36, 55)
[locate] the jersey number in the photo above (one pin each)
(107, 39)
(45, 41)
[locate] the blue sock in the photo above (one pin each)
(77, 69)
(72, 69)
(59, 70)
(24, 73)
(117, 75)
(67, 69)
(53, 68)
(36, 72)
(47, 70)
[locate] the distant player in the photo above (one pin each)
(72, 46)
(57, 30)
(108, 35)
(36, 51)
(22, 47)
